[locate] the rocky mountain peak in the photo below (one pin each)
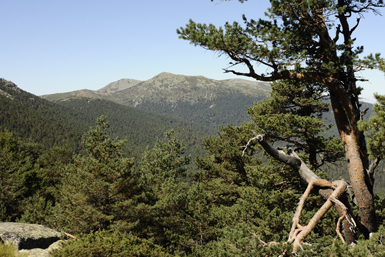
(12, 85)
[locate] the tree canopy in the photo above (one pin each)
(243, 199)
(312, 43)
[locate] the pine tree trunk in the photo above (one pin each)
(356, 161)
(361, 190)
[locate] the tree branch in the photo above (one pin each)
(298, 233)
(372, 167)
(292, 159)
(280, 155)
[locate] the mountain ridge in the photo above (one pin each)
(194, 99)
(162, 81)
(118, 85)
(50, 124)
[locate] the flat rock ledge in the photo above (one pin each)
(27, 237)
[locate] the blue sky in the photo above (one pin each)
(51, 46)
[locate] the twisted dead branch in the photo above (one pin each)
(332, 192)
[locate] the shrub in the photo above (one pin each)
(9, 251)
(110, 243)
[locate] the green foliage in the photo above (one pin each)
(17, 174)
(329, 247)
(7, 250)
(139, 127)
(238, 201)
(99, 190)
(164, 164)
(37, 120)
(110, 243)
(163, 175)
(374, 62)
(375, 128)
(49, 168)
(293, 116)
(244, 206)
(236, 205)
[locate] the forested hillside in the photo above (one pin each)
(162, 206)
(37, 120)
(139, 127)
(50, 124)
(233, 202)
(176, 96)
(281, 181)
(194, 99)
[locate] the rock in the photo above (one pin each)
(28, 236)
(12, 85)
(37, 252)
(6, 94)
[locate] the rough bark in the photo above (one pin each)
(356, 158)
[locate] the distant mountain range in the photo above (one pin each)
(140, 111)
(194, 99)
(51, 124)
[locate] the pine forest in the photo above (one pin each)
(288, 167)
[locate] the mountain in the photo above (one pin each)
(141, 128)
(264, 86)
(52, 124)
(83, 93)
(194, 99)
(119, 86)
(37, 120)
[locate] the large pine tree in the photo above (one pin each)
(308, 42)
(99, 190)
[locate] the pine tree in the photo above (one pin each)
(18, 176)
(293, 116)
(163, 175)
(98, 191)
(236, 196)
(49, 173)
(375, 132)
(308, 42)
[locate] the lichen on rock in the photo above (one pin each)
(28, 236)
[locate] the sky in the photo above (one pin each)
(51, 46)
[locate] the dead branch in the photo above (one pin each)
(321, 187)
(69, 235)
(372, 167)
(280, 155)
(297, 215)
(298, 233)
